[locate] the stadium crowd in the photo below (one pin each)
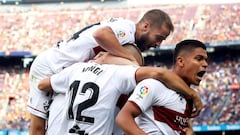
(14, 91)
(220, 93)
(37, 29)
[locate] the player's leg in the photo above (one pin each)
(37, 125)
(37, 106)
(38, 101)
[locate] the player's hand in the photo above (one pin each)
(197, 102)
(188, 131)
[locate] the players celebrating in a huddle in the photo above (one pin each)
(108, 35)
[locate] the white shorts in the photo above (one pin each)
(38, 101)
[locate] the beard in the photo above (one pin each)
(141, 43)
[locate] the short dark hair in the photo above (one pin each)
(136, 53)
(158, 17)
(189, 45)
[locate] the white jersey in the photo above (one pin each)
(164, 112)
(84, 47)
(92, 91)
(81, 47)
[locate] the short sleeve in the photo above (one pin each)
(144, 94)
(125, 78)
(60, 81)
(124, 30)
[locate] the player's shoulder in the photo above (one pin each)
(151, 82)
(117, 19)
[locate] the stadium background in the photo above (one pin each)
(29, 27)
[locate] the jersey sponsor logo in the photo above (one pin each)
(174, 119)
(121, 34)
(143, 91)
(182, 121)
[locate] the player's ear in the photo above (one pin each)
(180, 61)
(145, 26)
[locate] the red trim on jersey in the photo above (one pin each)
(122, 100)
(36, 109)
(135, 105)
(174, 119)
(98, 49)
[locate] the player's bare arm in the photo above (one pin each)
(45, 85)
(106, 38)
(125, 119)
(173, 81)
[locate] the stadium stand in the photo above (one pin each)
(14, 94)
(36, 28)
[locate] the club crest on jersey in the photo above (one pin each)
(121, 34)
(143, 91)
(46, 105)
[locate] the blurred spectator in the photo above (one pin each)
(37, 28)
(14, 94)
